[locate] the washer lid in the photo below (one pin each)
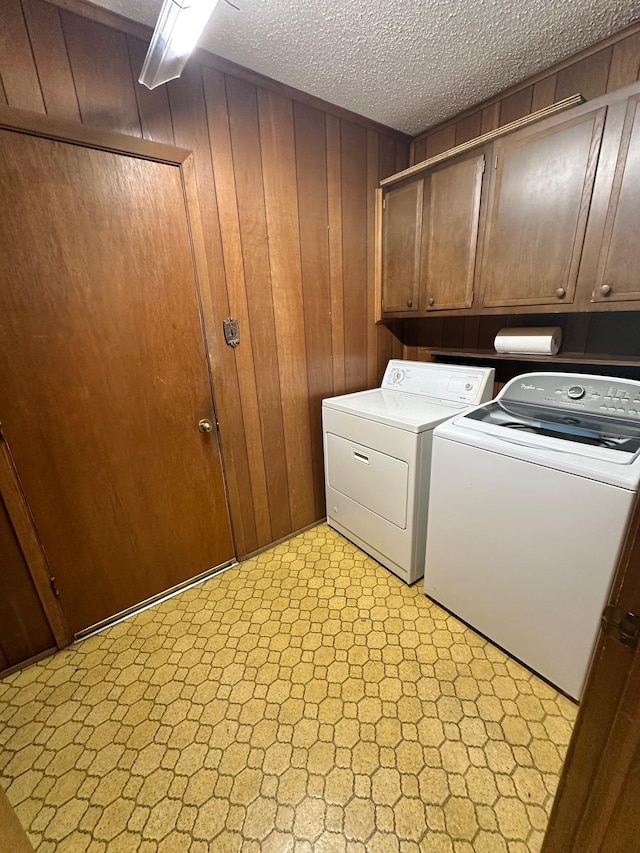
(410, 412)
(604, 464)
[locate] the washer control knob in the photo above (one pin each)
(575, 392)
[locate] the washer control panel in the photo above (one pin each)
(590, 394)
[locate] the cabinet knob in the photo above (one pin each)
(561, 293)
(605, 290)
(431, 300)
(409, 303)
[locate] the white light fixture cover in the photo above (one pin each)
(180, 25)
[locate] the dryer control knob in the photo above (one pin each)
(575, 392)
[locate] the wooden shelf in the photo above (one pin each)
(561, 358)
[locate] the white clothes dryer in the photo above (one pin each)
(377, 455)
(531, 499)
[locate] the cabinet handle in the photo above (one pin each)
(561, 293)
(431, 300)
(409, 303)
(605, 290)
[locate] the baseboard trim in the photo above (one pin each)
(283, 539)
(153, 600)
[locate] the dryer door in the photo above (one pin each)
(373, 479)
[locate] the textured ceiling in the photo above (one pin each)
(406, 63)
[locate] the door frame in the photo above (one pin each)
(598, 770)
(35, 124)
(31, 547)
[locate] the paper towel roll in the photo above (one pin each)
(544, 340)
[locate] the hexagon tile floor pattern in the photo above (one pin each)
(304, 701)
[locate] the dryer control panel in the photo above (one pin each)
(600, 395)
(448, 383)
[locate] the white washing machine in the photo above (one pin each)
(377, 456)
(531, 498)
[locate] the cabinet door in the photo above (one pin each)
(537, 211)
(401, 244)
(450, 233)
(618, 269)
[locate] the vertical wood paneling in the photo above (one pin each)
(281, 202)
(336, 271)
(354, 253)
(285, 193)
(589, 76)
(242, 107)
(490, 118)
(311, 170)
(153, 104)
(102, 74)
(389, 344)
(24, 631)
(386, 157)
(468, 128)
(441, 141)
(419, 151)
(188, 114)
(225, 187)
(625, 63)
(50, 52)
(544, 93)
(516, 106)
(17, 66)
(372, 331)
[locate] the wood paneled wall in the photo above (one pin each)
(286, 192)
(604, 67)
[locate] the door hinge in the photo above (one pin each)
(54, 587)
(621, 625)
(1, 433)
(384, 203)
(484, 165)
(495, 162)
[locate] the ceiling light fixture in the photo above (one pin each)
(180, 25)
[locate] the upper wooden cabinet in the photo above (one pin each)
(450, 232)
(537, 211)
(544, 217)
(429, 233)
(611, 266)
(401, 242)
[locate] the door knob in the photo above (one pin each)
(561, 293)
(205, 425)
(605, 290)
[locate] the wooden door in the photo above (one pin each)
(104, 372)
(596, 807)
(401, 244)
(450, 233)
(617, 276)
(541, 186)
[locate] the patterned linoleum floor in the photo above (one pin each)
(305, 701)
